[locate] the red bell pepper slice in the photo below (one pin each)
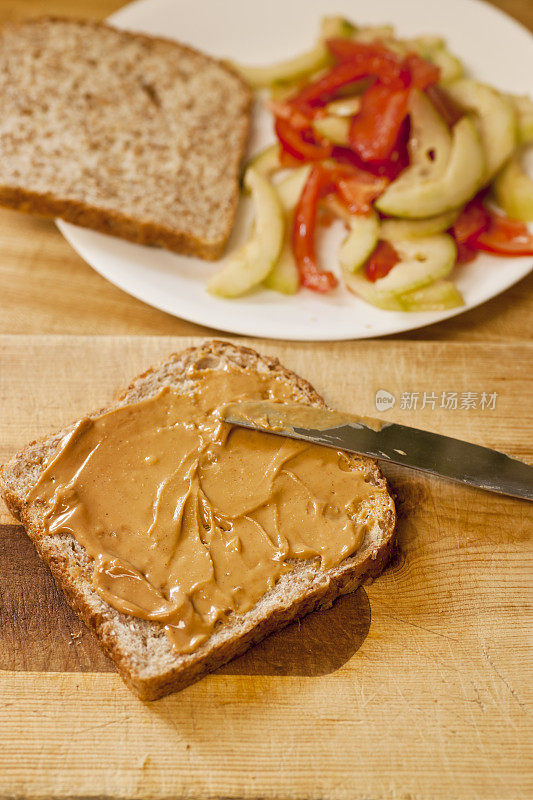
(356, 61)
(375, 130)
(505, 237)
(301, 144)
(382, 260)
(373, 59)
(325, 88)
(423, 73)
(473, 219)
(303, 233)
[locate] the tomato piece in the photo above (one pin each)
(384, 64)
(445, 105)
(479, 228)
(296, 117)
(399, 158)
(372, 59)
(350, 50)
(326, 217)
(505, 237)
(346, 156)
(382, 260)
(389, 168)
(301, 144)
(287, 160)
(465, 253)
(473, 219)
(375, 130)
(355, 186)
(303, 233)
(360, 189)
(423, 73)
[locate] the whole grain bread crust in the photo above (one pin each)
(141, 651)
(112, 223)
(117, 223)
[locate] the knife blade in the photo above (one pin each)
(410, 447)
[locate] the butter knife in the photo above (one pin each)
(411, 447)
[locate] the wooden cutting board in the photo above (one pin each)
(414, 687)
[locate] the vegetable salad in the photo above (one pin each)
(390, 137)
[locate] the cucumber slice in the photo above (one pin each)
(294, 69)
(360, 242)
(523, 106)
(439, 296)
(334, 129)
(422, 261)
(357, 283)
(286, 71)
(251, 263)
(424, 45)
(450, 67)
(336, 28)
(345, 107)
(290, 188)
(514, 191)
(281, 91)
(430, 141)
(371, 33)
(413, 228)
(266, 162)
(495, 116)
(430, 145)
(284, 276)
(463, 175)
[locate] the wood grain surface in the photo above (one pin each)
(45, 287)
(416, 687)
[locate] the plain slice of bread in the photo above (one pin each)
(141, 650)
(128, 134)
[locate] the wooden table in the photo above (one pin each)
(414, 688)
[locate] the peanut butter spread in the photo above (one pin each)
(288, 417)
(187, 518)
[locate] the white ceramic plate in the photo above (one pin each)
(494, 48)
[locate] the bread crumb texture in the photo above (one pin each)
(129, 134)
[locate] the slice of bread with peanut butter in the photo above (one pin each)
(132, 135)
(181, 541)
